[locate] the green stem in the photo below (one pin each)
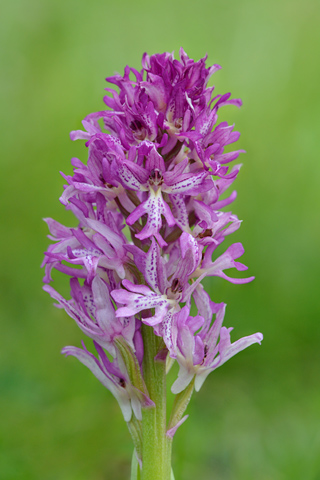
(156, 448)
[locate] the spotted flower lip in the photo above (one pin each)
(94, 313)
(152, 205)
(156, 180)
(114, 379)
(166, 290)
(95, 245)
(198, 354)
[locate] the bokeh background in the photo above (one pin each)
(258, 417)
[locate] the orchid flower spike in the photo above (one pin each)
(149, 205)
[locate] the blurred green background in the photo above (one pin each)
(258, 417)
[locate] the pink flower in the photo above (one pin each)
(149, 209)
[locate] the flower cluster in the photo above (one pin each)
(150, 206)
